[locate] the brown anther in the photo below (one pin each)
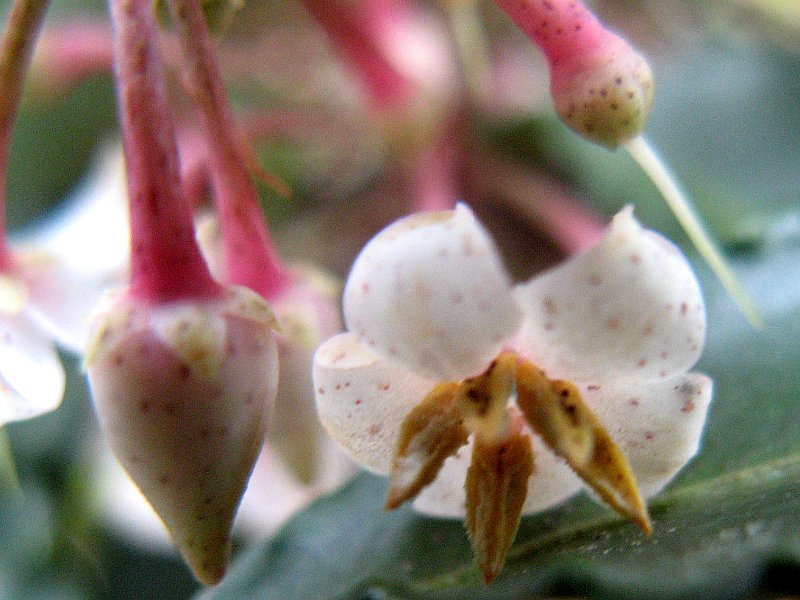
(431, 432)
(557, 412)
(496, 488)
(483, 399)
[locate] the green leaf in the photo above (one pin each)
(727, 526)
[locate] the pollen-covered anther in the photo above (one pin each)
(438, 426)
(557, 412)
(433, 431)
(496, 488)
(483, 400)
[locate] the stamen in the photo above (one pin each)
(557, 412)
(483, 399)
(496, 487)
(432, 431)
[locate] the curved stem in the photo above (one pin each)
(250, 254)
(166, 263)
(361, 32)
(16, 48)
(683, 210)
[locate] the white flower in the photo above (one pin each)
(57, 273)
(571, 372)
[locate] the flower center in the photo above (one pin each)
(499, 409)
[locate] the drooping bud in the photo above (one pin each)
(601, 87)
(182, 392)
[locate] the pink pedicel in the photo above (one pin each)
(183, 371)
(602, 88)
(250, 256)
(361, 31)
(166, 263)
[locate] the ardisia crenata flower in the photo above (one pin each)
(486, 401)
(183, 371)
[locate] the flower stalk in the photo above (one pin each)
(166, 263)
(361, 32)
(250, 254)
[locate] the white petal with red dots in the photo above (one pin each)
(31, 376)
(657, 423)
(60, 298)
(430, 292)
(629, 306)
(362, 399)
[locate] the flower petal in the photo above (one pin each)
(32, 379)
(60, 298)
(657, 423)
(430, 292)
(91, 232)
(552, 482)
(362, 399)
(630, 306)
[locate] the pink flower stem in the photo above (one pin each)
(16, 48)
(562, 29)
(71, 53)
(568, 222)
(433, 172)
(166, 263)
(250, 254)
(360, 30)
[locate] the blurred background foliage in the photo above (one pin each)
(727, 119)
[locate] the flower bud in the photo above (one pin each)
(605, 97)
(182, 391)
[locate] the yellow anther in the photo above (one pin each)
(557, 412)
(432, 431)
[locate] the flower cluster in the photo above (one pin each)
(206, 357)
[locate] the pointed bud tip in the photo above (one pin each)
(208, 564)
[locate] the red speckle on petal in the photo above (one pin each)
(687, 406)
(595, 280)
(365, 288)
(374, 429)
(383, 386)
(649, 436)
(684, 309)
(633, 402)
(550, 307)
(642, 363)
(321, 391)
(614, 322)
(358, 401)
